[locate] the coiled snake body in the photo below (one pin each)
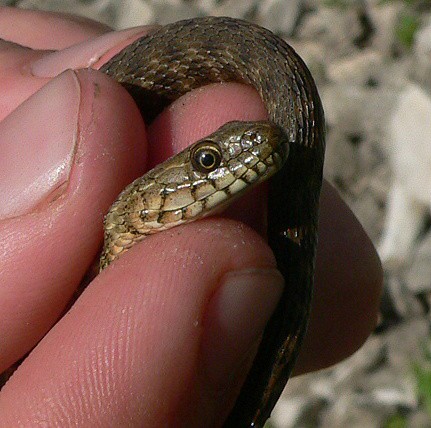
(166, 64)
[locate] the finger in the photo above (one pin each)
(46, 30)
(175, 320)
(24, 71)
(65, 154)
(348, 271)
(348, 285)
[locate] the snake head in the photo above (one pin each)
(222, 166)
(212, 172)
(200, 181)
(236, 156)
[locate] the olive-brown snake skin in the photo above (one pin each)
(177, 58)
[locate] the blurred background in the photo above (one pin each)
(371, 60)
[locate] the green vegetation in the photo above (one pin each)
(396, 421)
(406, 28)
(407, 2)
(422, 374)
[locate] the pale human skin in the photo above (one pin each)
(166, 334)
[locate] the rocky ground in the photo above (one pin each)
(363, 54)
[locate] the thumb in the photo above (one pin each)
(163, 337)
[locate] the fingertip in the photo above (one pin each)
(88, 54)
(348, 285)
(48, 30)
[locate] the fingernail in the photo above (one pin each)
(85, 54)
(37, 144)
(236, 318)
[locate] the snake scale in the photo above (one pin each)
(175, 59)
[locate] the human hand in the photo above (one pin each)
(167, 333)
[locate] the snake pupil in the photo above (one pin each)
(207, 160)
(206, 157)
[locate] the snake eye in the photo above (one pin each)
(206, 157)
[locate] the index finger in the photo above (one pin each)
(47, 30)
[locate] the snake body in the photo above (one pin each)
(159, 68)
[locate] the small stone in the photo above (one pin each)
(421, 67)
(234, 8)
(384, 17)
(418, 275)
(132, 13)
(280, 16)
(336, 29)
(167, 11)
(357, 69)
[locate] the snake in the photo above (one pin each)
(288, 148)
